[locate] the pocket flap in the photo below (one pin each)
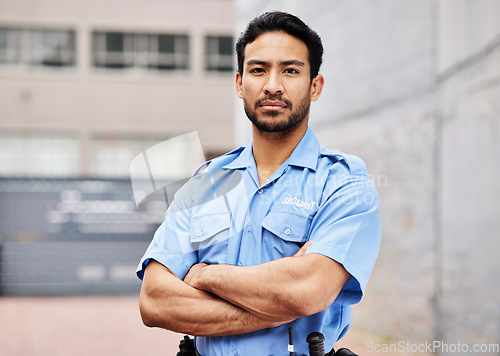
(208, 225)
(288, 226)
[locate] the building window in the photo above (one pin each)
(9, 46)
(111, 156)
(37, 47)
(147, 51)
(38, 155)
(168, 159)
(219, 53)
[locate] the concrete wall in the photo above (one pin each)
(469, 105)
(412, 87)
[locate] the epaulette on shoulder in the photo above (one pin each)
(334, 154)
(354, 163)
(203, 166)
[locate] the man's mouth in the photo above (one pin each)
(273, 105)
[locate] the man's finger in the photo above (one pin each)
(193, 273)
(303, 249)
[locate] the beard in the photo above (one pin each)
(270, 122)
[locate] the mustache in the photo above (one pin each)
(273, 97)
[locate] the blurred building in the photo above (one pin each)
(85, 86)
(413, 88)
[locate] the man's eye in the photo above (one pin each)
(291, 71)
(257, 70)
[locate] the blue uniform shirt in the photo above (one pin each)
(222, 215)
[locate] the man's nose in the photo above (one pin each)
(273, 84)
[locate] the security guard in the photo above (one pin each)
(279, 235)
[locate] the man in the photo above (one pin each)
(278, 236)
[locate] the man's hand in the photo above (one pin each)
(303, 249)
(195, 274)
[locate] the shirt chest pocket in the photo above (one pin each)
(209, 236)
(284, 233)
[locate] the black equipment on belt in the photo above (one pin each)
(317, 348)
(186, 347)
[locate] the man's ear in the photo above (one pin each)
(239, 85)
(317, 87)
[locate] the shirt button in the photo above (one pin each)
(199, 233)
(260, 191)
(288, 231)
(249, 228)
(235, 352)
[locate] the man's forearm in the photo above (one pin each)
(289, 287)
(169, 303)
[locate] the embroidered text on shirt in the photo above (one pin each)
(300, 203)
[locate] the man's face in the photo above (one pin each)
(276, 87)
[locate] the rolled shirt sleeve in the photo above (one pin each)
(171, 243)
(346, 229)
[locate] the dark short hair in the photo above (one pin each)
(288, 23)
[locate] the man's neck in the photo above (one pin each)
(271, 149)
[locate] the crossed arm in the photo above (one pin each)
(215, 300)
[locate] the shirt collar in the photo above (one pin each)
(304, 155)
(244, 159)
(306, 152)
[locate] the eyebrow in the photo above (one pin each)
(293, 62)
(283, 63)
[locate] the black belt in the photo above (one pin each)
(186, 347)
